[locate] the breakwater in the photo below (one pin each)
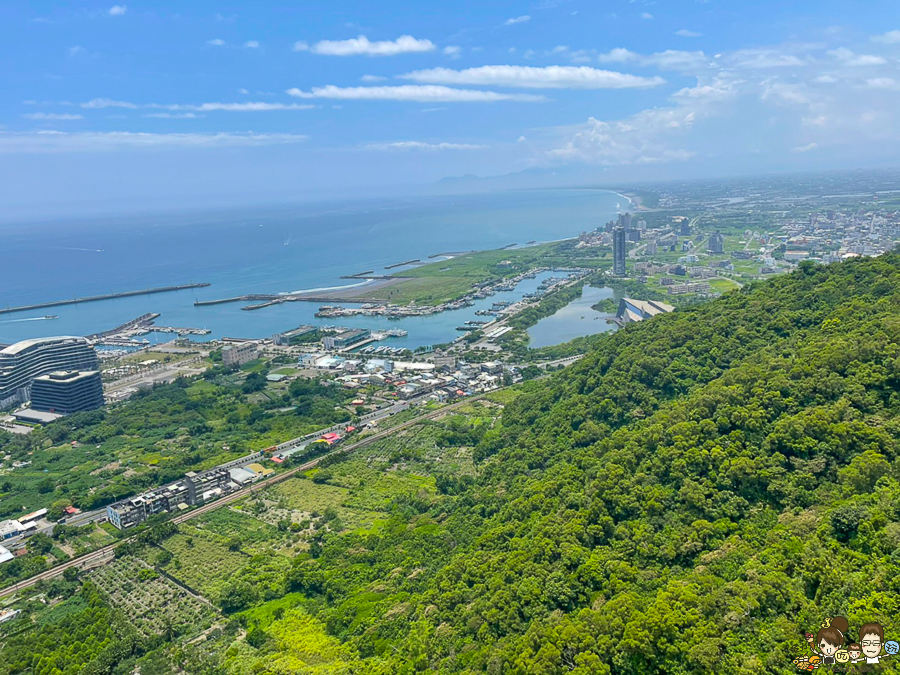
(95, 298)
(401, 264)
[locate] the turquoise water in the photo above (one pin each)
(267, 251)
(576, 319)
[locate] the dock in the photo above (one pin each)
(144, 321)
(95, 298)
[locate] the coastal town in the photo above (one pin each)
(377, 383)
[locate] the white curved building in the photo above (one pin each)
(22, 362)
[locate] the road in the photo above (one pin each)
(103, 555)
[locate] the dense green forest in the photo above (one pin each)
(689, 497)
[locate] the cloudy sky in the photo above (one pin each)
(204, 102)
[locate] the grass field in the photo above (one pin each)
(254, 534)
(446, 280)
(723, 285)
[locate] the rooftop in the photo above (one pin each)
(29, 415)
(18, 347)
(71, 375)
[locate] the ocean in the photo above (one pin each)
(267, 250)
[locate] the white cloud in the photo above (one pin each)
(94, 141)
(174, 116)
(411, 92)
(888, 83)
(237, 107)
(687, 33)
(362, 46)
(216, 42)
(242, 90)
(373, 78)
(51, 116)
(117, 10)
(453, 51)
(826, 79)
(419, 145)
(107, 103)
(786, 93)
(251, 44)
(648, 136)
(764, 58)
(521, 139)
(805, 148)
(518, 19)
(618, 55)
(530, 77)
(599, 142)
(891, 37)
(671, 59)
(850, 58)
(76, 50)
(247, 106)
(646, 15)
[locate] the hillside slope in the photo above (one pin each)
(689, 498)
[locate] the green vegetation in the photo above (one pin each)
(92, 459)
(447, 280)
(689, 497)
(606, 306)
(82, 636)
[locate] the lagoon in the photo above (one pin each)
(576, 319)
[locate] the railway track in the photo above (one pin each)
(103, 555)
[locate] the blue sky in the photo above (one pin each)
(130, 104)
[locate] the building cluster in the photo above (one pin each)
(24, 526)
(23, 362)
(194, 489)
(443, 379)
(831, 236)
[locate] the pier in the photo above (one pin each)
(141, 322)
(95, 298)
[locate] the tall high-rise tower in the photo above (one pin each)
(619, 251)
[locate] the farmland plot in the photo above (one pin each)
(151, 603)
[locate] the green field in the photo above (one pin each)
(446, 280)
(200, 561)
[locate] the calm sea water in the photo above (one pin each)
(267, 251)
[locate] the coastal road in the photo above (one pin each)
(104, 555)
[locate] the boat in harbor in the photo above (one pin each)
(467, 328)
(51, 316)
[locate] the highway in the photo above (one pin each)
(103, 555)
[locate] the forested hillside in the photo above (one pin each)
(689, 498)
